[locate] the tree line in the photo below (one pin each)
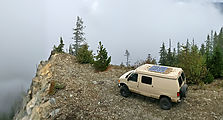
(80, 49)
(201, 65)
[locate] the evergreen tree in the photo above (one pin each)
(216, 63)
(163, 55)
(84, 55)
(211, 42)
(178, 52)
(59, 49)
(207, 52)
(215, 42)
(127, 54)
(102, 60)
(187, 47)
(178, 48)
(202, 50)
(71, 52)
(169, 60)
(78, 35)
(150, 60)
(174, 61)
(220, 40)
(193, 64)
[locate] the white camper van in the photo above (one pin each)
(168, 84)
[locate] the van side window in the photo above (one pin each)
(133, 77)
(146, 80)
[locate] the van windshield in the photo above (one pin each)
(128, 75)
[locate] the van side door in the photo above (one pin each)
(132, 82)
(146, 85)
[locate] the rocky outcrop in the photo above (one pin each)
(65, 90)
(38, 103)
(57, 82)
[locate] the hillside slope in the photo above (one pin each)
(83, 93)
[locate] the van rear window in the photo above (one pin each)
(180, 81)
(183, 76)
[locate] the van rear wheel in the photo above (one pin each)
(165, 103)
(125, 91)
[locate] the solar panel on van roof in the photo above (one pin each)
(158, 69)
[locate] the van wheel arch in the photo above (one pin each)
(164, 96)
(123, 84)
(124, 90)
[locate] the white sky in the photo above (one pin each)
(139, 26)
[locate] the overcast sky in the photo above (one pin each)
(29, 29)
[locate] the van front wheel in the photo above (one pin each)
(124, 91)
(165, 103)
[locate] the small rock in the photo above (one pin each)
(94, 82)
(53, 113)
(25, 118)
(52, 101)
(71, 95)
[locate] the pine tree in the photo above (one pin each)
(84, 55)
(193, 64)
(78, 35)
(127, 54)
(207, 51)
(216, 63)
(169, 60)
(174, 60)
(215, 42)
(211, 42)
(71, 52)
(102, 60)
(197, 68)
(59, 49)
(163, 55)
(220, 40)
(150, 60)
(178, 53)
(187, 47)
(202, 50)
(178, 48)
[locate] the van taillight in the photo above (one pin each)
(178, 94)
(118, 81)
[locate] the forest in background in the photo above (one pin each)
(201, 64)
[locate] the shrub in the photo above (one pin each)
(209, 78)
(59, 86)
(102, 60)
(54, 87)
(84, 56)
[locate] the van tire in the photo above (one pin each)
(183, 90)
(165, 103)
(125, 91)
